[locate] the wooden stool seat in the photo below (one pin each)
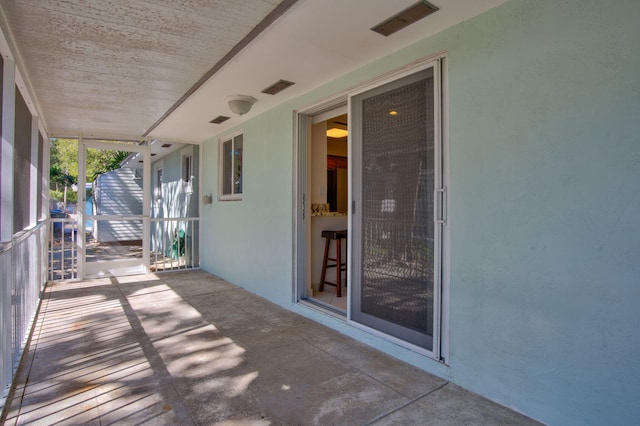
(340, 266)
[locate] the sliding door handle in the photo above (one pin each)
(440, 197)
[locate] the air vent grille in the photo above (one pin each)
(219, 119)
(278, 87)
(165, 145)
(405, 18)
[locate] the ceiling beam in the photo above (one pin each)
(264, 24)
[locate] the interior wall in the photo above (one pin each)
(543, 207)
(318, 163)
(337, 147)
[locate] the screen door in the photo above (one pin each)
(396, 206)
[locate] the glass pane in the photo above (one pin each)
(226, 167)
(397, 213)
(187, 169)
(237, 165)
(159, 184)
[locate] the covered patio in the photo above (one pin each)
(191, 348)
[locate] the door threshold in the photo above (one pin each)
(324, 307)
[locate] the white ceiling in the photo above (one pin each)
(105, 67)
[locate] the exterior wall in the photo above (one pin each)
(544, 205)
(118, 192)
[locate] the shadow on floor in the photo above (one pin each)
(191, 348)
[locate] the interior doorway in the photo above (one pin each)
(327, 177)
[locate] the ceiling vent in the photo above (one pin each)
(165, 145)
(405, 18)
(219, 119)
(278, 87)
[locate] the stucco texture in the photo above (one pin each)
(544, 140)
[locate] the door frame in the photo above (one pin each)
(303, 120)
(301, 201)
(136, 146)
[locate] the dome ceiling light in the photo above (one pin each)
(240, 104)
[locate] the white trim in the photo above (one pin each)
(84, 269)
(127, 147)
(5, 49)
(446, 236)
(320, 111)
(108, 268)
(326, 115)
(146, 207)
(108, 217)
(46, 166)
(440, 188)
(81, 208)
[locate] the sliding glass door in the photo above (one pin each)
(397, 208)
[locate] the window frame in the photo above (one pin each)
(158, 195)
(186, 184)
(233, 196)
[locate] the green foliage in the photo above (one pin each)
(64, 165)
(64, 161)
(72, 197)
(101, 161)
(64, 156)
(58, 177)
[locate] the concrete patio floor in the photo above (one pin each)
(189, 348)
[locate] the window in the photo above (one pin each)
(187, 170)
(230, 168)
(157, 195)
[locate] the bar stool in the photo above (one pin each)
(340, 266)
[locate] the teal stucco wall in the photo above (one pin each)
(544, 107)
